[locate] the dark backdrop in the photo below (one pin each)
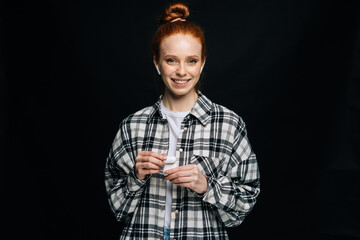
(72, 70)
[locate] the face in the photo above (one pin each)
(180, 64)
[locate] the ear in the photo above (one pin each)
(202, 66)
(156, 66)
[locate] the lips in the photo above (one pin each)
(180, 82)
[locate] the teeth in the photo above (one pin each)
(180, 81)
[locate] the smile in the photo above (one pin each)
(180, 82)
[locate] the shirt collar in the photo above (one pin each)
(201, 110)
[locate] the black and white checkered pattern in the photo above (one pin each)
(212, 137)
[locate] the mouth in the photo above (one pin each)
(180, 82)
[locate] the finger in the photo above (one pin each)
(146, 172)
(143, 173)
(178, 174)
(181, 180)
(147, 166)
(181, 168)
(153, 154)
(149, 153)
(151, 159)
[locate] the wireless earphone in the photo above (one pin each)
(202, 67)
(157, 68)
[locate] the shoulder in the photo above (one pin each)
(139, 117)
(226, 115)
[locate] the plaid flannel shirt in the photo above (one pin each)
(212, 137)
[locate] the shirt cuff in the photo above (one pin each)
(135, 184)
(209, 194)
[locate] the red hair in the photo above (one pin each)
(168, 28)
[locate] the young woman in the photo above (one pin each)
(182, 168)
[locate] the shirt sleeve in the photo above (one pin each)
(233, 194)
(123, 188)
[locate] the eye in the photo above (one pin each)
(193, 61)
(170, 60)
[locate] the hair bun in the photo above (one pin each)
(175, 10)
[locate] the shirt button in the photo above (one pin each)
(185, 128)
(176, 211)
(180, 150)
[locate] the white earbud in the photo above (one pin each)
(202, 67)
(157, 68)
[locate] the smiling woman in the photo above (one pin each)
(180, 68)
(182, 168)
(176, 14)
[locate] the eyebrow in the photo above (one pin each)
(192, 56)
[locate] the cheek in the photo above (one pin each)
(195, 71)
(167, 70)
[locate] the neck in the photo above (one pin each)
(179, 103)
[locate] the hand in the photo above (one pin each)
(148, 163)
(188, 176)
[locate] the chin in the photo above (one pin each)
(181, 92)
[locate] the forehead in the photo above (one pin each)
(180, 45)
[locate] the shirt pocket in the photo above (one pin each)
(208, 166)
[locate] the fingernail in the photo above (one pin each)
(164, 158)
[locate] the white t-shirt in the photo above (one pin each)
(174, 120)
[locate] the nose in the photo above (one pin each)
(180, 71)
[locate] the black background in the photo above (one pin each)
(72, 70)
